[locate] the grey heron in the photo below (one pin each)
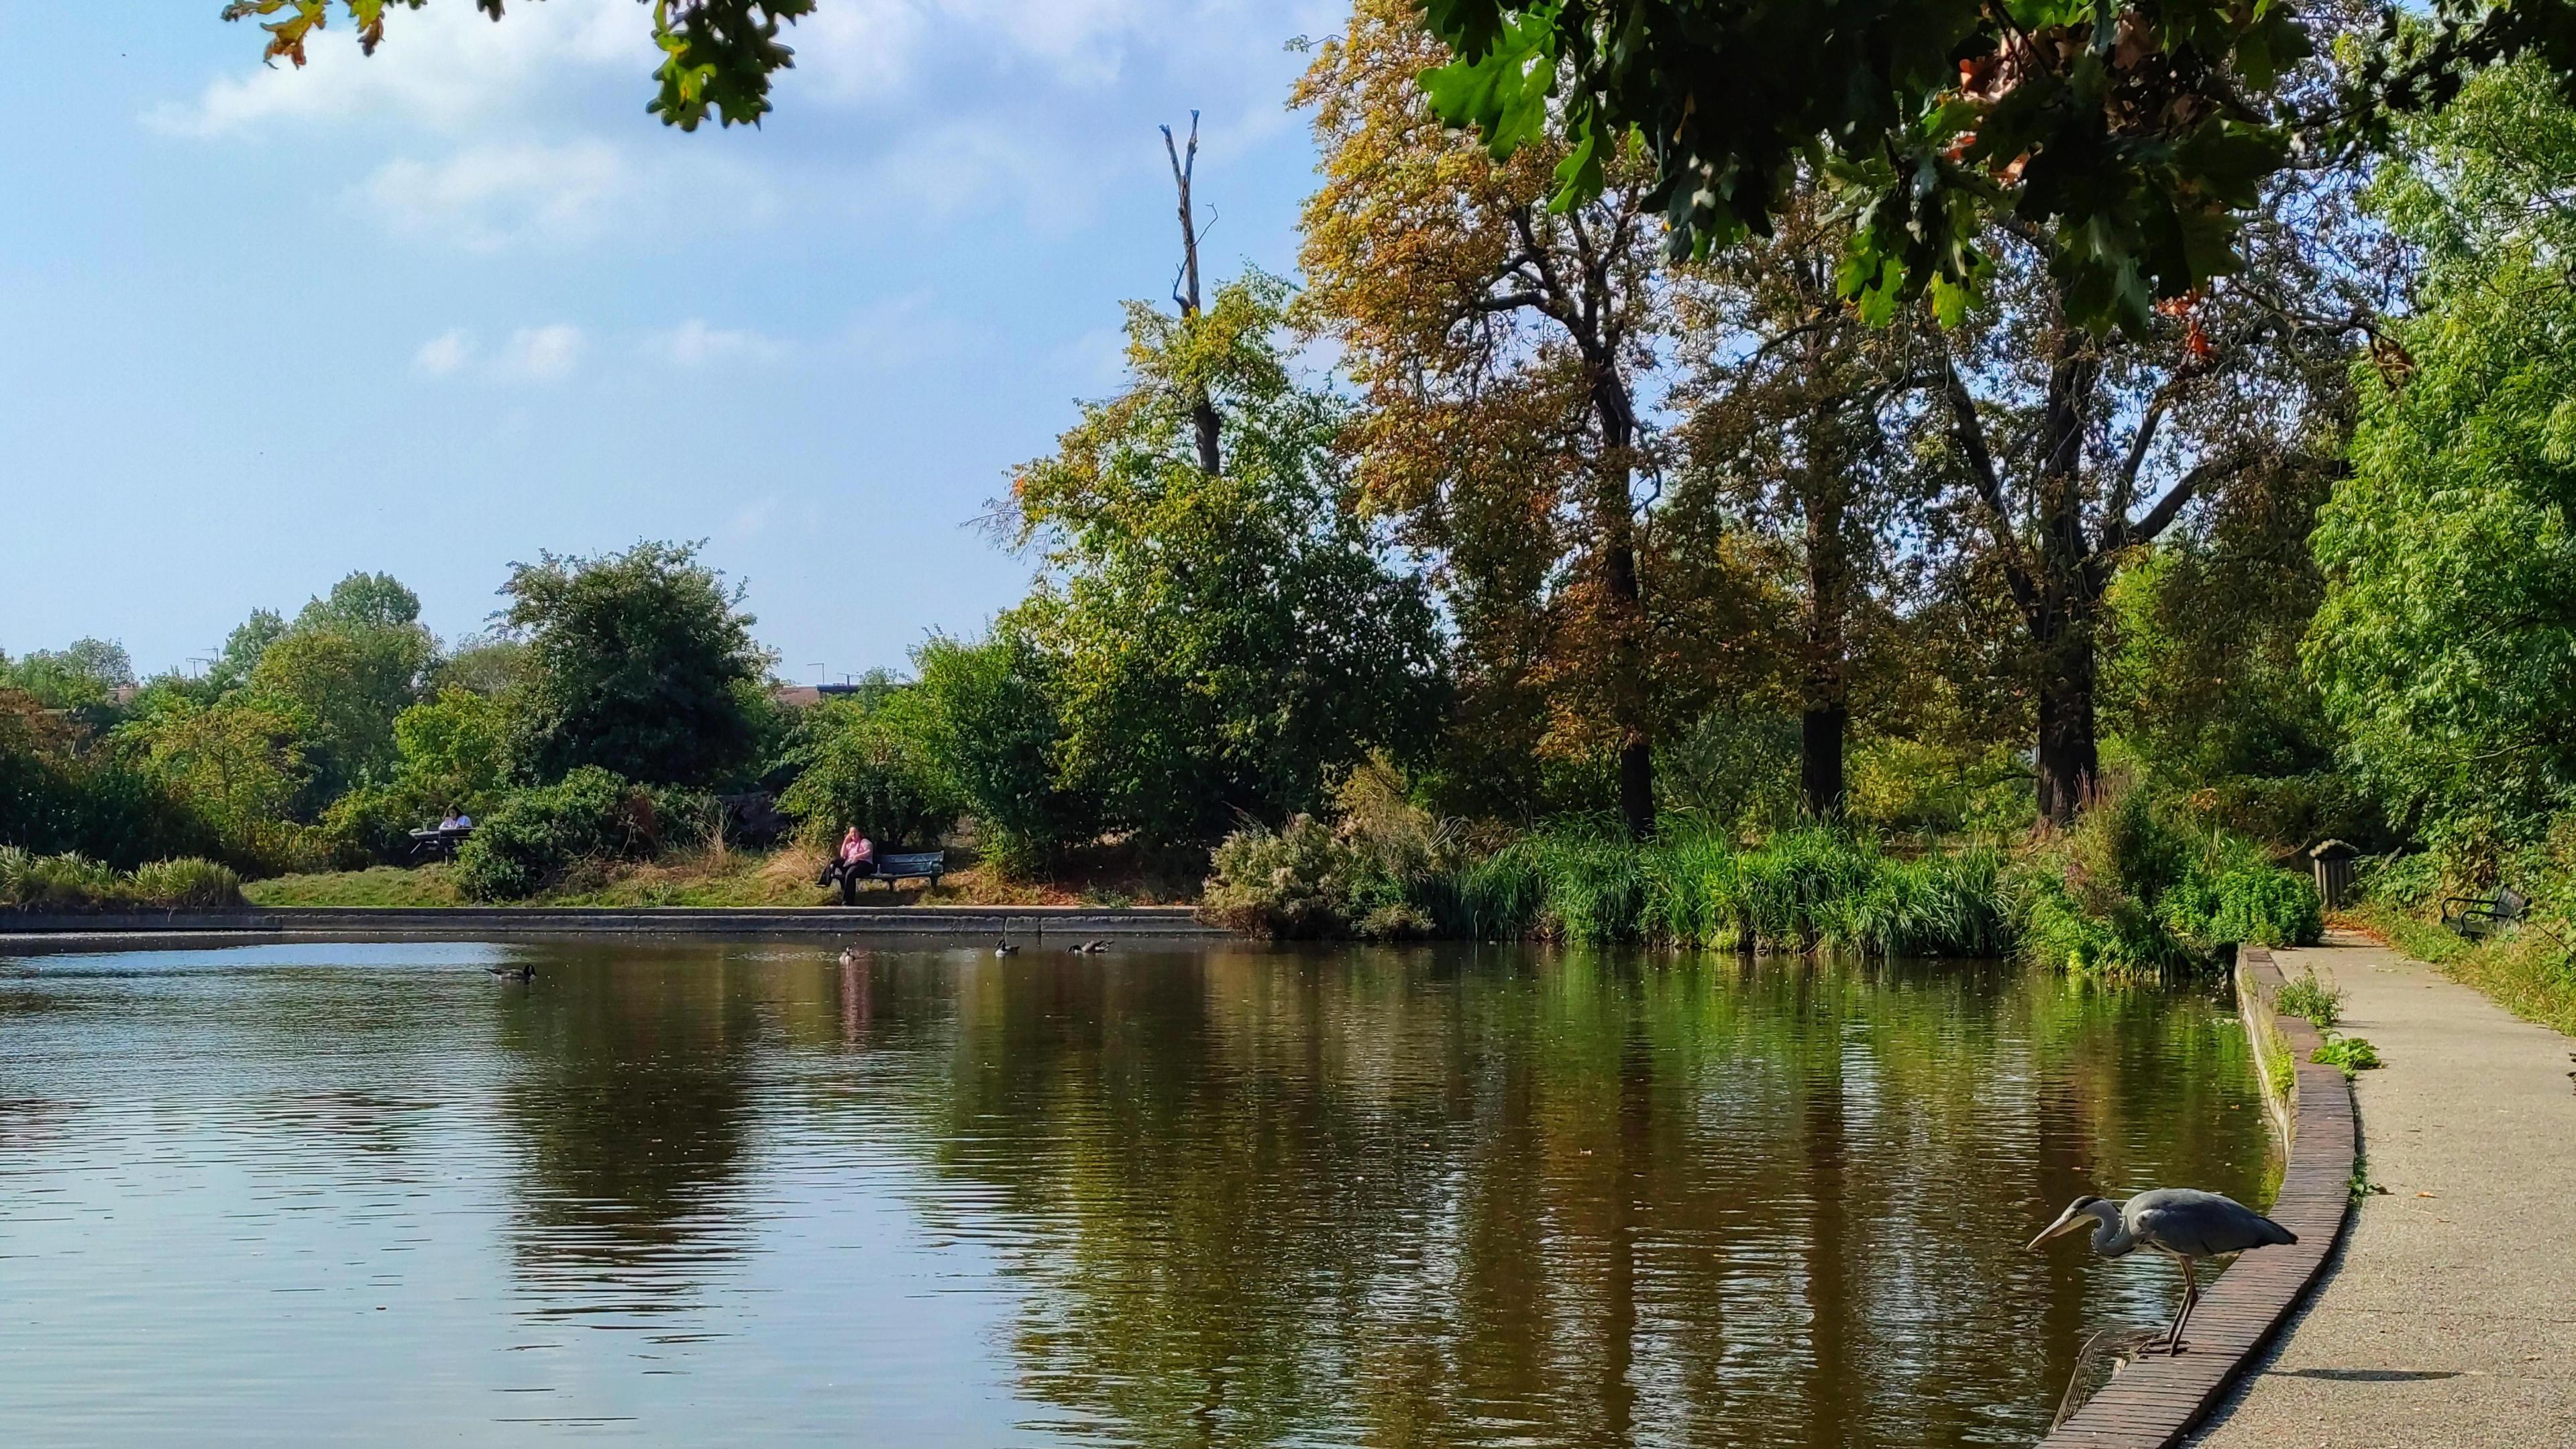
(2183, 1223)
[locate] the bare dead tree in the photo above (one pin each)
(1185, 287)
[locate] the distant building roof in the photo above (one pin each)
(798, 696)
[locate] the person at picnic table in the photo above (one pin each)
(448, 822)
(858, 854)
(464, 821)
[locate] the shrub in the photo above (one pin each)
(2110, 934)
(77, 883)
(537, 835)
(63, 883)
(190, 884)
(1294, 882)
(371, 825)
(2402, 882)
(2267, 908)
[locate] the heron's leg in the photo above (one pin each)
(2182, 1315)
(2191, 1302)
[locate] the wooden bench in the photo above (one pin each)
(925, 865)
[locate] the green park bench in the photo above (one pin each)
(924, 865)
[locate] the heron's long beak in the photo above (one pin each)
(2066, 1223)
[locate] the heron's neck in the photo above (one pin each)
(2111, 1237)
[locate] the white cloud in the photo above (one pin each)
(856, 50)
(541, 354)
(695, 344)
(442, 355)
(486, 198)
(446, 67)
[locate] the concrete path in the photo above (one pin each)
(2451, 1319)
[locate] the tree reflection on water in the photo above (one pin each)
(1436, 1198)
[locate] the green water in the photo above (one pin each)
(728, 1193)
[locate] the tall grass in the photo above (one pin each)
(2125, 890)
(76, 883)
(1798, 891)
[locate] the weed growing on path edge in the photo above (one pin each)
(2316, 1000)
(2350, 1053)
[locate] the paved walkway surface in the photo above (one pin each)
(2451, 1319)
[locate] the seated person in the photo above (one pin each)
(464, 821)
(855, 860)
(448, 822)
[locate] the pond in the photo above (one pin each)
(690, 1193)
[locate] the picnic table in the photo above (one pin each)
(437, 844)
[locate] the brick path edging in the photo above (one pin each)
(2154, 1402)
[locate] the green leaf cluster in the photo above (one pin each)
(2132, 141)
(2446, 643)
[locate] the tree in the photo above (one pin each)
(639, 662)
(84, 678)
(1223, 642)
(865, 760)
(2202, 683)
(349, 664)
(992, 731)
(2131, 145)
(242, 650)
(455, 752)
(2446, 643)
(1499, 345)
(237, 764)
(717, 55)
(362, 601)
(2069, 449)
(1800, 414)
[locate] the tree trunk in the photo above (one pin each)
(2068, 761)
(1626, 602)
(1827, 688)
(1821, 733)
(2070, 766)
(1185, 292)
(2069, 597)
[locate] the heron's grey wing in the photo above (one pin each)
(2200, 1224)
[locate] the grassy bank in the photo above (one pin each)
(724, 878)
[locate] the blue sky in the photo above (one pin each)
(438, 310)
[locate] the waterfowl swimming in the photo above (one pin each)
(1092, 948)
(523, 971)
(1006, 948)
(849, 957)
